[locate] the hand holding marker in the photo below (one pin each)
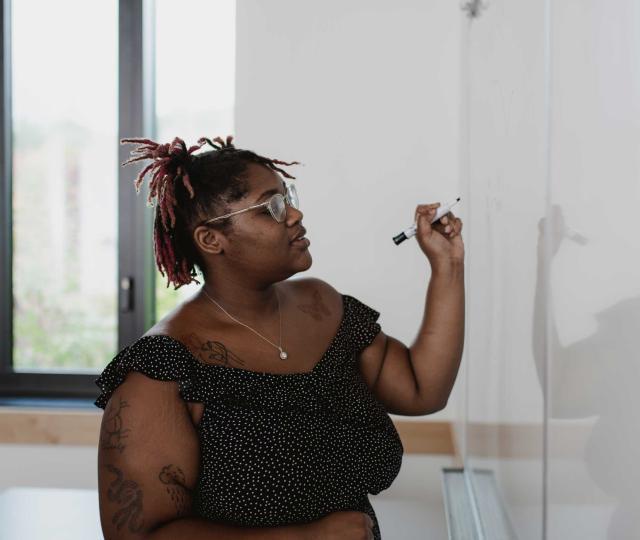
(411, 231)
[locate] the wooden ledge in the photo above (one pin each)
(73, 427)
(45, 426)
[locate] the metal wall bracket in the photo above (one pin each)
(493, 521)
(458, 509)
(474, 7)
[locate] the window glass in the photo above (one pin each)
(64, 129)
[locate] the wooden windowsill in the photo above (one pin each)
(82, 427)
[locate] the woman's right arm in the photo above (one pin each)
(148, 466)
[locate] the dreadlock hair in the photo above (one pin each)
(210, 181)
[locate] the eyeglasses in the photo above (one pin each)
(276, 205)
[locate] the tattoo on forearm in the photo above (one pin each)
(113, 433)
(128, 495)
(213, 352)
(317, 308)
(173, 478)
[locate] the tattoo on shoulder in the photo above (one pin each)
(128, 495)
(173, 478)
(212, 352)
(113, 432)
(316, 308)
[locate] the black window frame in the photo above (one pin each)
(136, 268)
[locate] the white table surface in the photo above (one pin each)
(49, 514)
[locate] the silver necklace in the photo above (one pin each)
(283, 354)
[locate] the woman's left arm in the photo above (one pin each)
(436, 352)
(418, 380)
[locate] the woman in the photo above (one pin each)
(258, 408)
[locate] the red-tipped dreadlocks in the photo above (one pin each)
(170, 162)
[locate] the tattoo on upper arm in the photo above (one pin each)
(113, 433)
(128, 495)
(173, 478)
(213, 352)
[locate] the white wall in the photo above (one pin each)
(366, 95)
(55, 466)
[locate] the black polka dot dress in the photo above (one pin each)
(279, 449)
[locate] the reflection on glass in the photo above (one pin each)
(64, 184)
(195, 88)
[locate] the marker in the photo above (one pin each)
(411, 231)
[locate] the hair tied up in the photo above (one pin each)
(228, 145)
(169, 162)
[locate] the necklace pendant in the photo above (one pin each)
(283, 354)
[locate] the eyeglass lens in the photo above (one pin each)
(278, 206)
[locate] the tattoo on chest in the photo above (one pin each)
(213, 352)
(113, 432)
(316, 308)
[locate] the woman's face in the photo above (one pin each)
(259, 246)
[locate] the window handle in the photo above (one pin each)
(126, 294)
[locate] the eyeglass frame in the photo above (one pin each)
(286, 198)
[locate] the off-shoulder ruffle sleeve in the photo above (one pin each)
(157, 358)
(363, 325)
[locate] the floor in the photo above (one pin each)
(413, 507)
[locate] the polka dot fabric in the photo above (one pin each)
(278, 449)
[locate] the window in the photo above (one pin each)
(64, 124)
(79, 281)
